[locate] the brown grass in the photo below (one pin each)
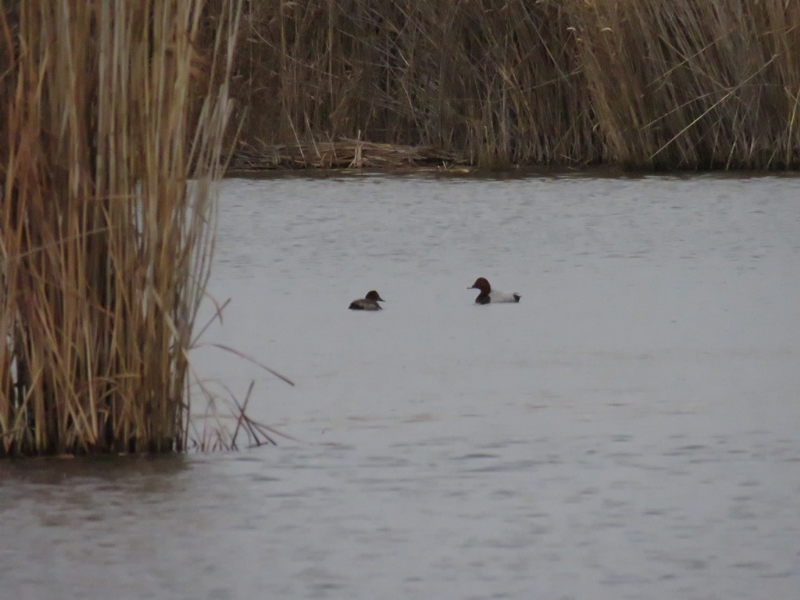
(645, 83)
(105, 245)
(488, 82)
(694, 84)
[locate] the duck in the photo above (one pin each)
(368, 302)
(490, 296)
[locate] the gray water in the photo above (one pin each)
(628, 430)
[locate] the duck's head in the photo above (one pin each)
(374, 296)
(482, 284)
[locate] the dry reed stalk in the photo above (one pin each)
(694, 84)
(105, 246)
(489, 81)
(648, 83)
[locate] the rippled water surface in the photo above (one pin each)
(628, 430)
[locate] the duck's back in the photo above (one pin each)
(364, 304)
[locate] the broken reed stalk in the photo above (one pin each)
(105, 243)
(645, 83)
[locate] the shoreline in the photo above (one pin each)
(354, 157)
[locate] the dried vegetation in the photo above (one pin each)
(104, 244)
(644, 83)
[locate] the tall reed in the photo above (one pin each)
(109, 110)
(646, 83)
(496, 81)
(679, 83)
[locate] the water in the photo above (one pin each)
(628, 430)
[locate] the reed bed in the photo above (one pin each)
(690, 84)
(644, 83)
(489, 82)
(110, 108)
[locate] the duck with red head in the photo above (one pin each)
(368, 302)
(490, 296)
